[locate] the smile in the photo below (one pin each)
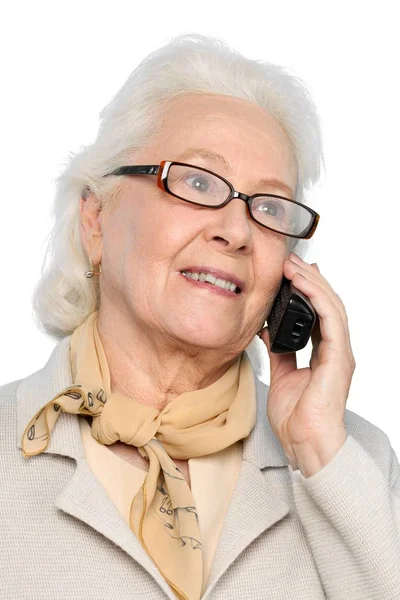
(208, 281)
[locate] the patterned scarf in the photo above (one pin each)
(163, 513)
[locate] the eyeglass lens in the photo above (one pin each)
(197, 186)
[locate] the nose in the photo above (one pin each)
(231, 226)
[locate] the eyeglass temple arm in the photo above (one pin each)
(136, 170)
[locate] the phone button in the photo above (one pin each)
(297, 329)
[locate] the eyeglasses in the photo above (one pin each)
(205, 188)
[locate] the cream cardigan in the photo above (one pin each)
(334, 535)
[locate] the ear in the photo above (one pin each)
(90, 226)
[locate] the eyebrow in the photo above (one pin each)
(221, 160)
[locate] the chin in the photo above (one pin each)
(207, 338)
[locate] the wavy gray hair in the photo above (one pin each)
(190, 63)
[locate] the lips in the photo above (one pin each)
(217, 273)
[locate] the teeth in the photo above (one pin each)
(211, 279)
(222, 283)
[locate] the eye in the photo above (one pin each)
(271, 208)
(198, 182)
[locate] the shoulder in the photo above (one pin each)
(374, 441)
(9, 390)
(8, 396)
(18, 397)
(8, 420)
(363, 430)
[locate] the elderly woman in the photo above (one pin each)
(148, 459)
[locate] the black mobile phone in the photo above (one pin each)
(291, 319)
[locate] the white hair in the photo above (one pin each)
(190, 63)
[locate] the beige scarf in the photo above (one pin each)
(163, 513)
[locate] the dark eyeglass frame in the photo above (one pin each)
(162, 169)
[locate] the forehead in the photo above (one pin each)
(207, 116)
(249, 138)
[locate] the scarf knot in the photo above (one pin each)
(126, 420)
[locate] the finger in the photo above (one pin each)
(334, 333)
(312, 270)
(314, 274)
(280, 364)
(321, 281)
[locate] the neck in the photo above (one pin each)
(146, 365)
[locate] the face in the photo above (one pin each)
(149, 237)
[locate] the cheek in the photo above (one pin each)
(142, 231)
(158, 245)
(270, 267)
(173, 229)
(126, 244)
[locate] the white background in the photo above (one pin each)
(61, 62)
